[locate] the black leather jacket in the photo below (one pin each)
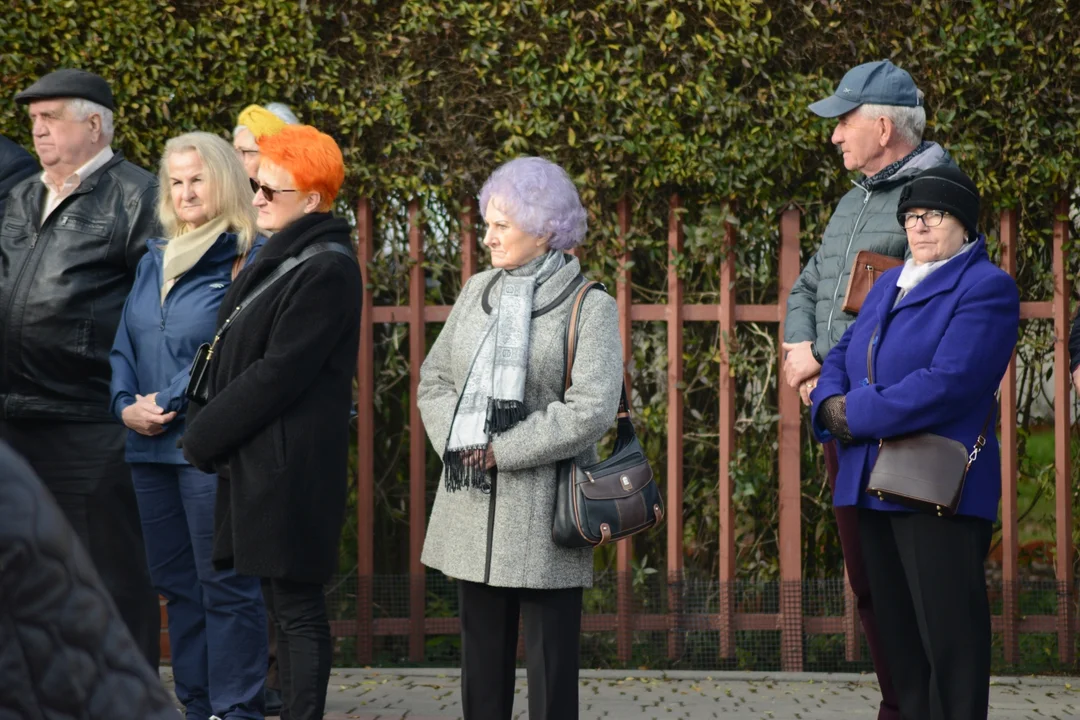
(62, 289)
(64, 650)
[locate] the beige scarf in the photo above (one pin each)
(183, 251)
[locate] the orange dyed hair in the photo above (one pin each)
(311, 157)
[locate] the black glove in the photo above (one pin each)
(833, 416)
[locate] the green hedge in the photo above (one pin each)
(707, 98)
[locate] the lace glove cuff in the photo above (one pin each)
(833, 416)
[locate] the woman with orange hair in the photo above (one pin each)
(275, 424)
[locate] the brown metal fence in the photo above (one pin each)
(790, 618)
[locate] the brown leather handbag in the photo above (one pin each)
(924, 472)
(616, 497)
(865, 271)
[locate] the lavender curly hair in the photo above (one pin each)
(541, 199)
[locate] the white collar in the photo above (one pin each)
(89, 168)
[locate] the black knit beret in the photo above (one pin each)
(947, 188)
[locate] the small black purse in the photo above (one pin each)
(616, 497)
(198, 387)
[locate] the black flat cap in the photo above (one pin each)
(69, 83)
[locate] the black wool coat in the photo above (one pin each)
(276, 425)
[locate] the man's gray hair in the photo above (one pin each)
(910, 122)
(283, 112)
(81, 109)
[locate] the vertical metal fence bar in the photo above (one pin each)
(726, 431)
(674, 499)
(790, 409)
(417, 439)
(365, 444)
(468, 240)
(1062, 426)
(1010, 589)
(624, 632)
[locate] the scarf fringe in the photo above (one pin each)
(503, 415)
(460, 474)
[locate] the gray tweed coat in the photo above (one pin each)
(522, 551)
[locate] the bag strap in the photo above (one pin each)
(980, 442)
(623, 414)
(289, 264)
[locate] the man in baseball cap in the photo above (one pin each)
(880, 120)
(71, 238)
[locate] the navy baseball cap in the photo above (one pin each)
(873, 83)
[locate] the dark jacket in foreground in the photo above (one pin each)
(276, 427)
(15, 165)
(938, 359)
(62, 289)
(64, 650)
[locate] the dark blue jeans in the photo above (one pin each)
(217, 620)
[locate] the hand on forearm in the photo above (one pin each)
(800, 363)
(145, 417)
(833, 416)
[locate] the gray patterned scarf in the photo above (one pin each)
(493, 398)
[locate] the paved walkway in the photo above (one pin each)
(423, 694)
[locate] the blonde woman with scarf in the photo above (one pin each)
(491, 397)
(217, 620)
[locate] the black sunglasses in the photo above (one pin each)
(267, 191)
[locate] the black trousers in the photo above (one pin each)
(489, 638)
(83, 465)
(304, 650)
(926, 576)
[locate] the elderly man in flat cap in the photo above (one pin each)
(69, 244)
(880, 121)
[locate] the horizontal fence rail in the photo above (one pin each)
(790, 620)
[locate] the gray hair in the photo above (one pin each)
(910, 122)
(81, 109)
(541, 198)
(283, 112)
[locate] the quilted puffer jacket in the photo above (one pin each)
(864, 219)
(65, 654)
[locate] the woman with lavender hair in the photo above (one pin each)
(491, 397)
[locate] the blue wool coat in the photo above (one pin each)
(155, 343)
(938, 359)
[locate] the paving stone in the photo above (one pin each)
(427, 694)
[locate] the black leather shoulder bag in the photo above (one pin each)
(198, 387)
(924, 471)
(616, 497)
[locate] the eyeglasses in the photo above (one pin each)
(930, 218)
(267, 191)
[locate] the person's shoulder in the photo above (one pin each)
(598, 301)
(475, 285)
(130, 175)
(14, 158)
(990, 278)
